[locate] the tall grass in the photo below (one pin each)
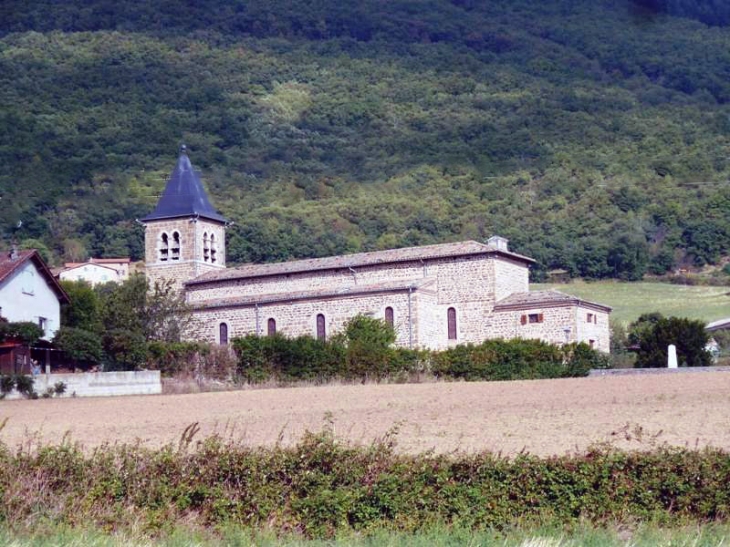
(322, 488)
(710, 535)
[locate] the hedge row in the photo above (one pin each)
(321, 487)
(305, 358)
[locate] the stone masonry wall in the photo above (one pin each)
(510, 277)
(191, 262)
(508, 324)
(300, 318)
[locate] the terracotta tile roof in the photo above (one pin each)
(8, 266)
(125, 260)
(534, 299)
(353, 290)
(92, 264)
(463, 248)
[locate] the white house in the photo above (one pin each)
(96, 271)
(29, 292)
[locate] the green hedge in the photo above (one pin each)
(305, 358)
(321, 487)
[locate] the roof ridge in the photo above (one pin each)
(353, 260)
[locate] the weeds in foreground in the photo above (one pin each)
(323, 488)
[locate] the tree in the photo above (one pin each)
(83, 309)
(689, 337)
(369, 343)
(79, 344)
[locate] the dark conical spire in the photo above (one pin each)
(184, 195)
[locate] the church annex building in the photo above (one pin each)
(435, 296)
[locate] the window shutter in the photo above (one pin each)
(523, 320)
(540, 318)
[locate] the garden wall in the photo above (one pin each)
(100, 384)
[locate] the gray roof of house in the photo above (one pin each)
(464, 248)
(535, 299)
(342, 292)
(184, 195)
(720, 324)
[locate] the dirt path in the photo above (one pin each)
(542, 417)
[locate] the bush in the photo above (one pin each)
(326, 488)
(24, 386)
(7, 383)
(79, 344)
(364, 354)
(516, 360)
(656, 333)
(26, 332)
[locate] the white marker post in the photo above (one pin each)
(672, 356)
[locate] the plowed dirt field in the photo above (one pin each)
(541, 417)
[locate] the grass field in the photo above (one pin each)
(704, 536)
(629, 300)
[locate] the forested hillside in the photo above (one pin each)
(594, 135)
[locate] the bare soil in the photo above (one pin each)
(541, 417)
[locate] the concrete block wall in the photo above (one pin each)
(100, 384)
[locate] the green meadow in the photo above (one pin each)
(709, 535)
(630, 300)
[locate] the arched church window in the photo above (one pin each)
(206, 247)
(271, 326)
(213, 250)
(223, 334)
(451, 323)
(175, 247)
(321, 328)
(164, 247)
(389, 318)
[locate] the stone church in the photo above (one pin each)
(435, 296)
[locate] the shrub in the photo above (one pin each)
(656, 334)
(516, 360)
(7, 383)
(325, 488)
(26, 332)
(24, 385)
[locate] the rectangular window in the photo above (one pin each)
(535, 318)
(590, 318)
(451, 323)
(321, 330)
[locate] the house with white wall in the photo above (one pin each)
(29, 292)
(96, 271)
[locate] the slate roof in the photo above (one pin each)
(8, 266)
(720, 324)
(464, 248)
(184, 195)
(354, 290)
(535, 299)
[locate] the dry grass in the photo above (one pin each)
(541, 417)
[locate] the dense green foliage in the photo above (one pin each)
(364, 351)
(26, 332)
(652, 333)
(516, 360)
(114, 323)
(322, 487)
(594, 135)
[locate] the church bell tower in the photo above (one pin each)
(184, 235)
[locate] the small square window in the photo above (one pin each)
(535, 318)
